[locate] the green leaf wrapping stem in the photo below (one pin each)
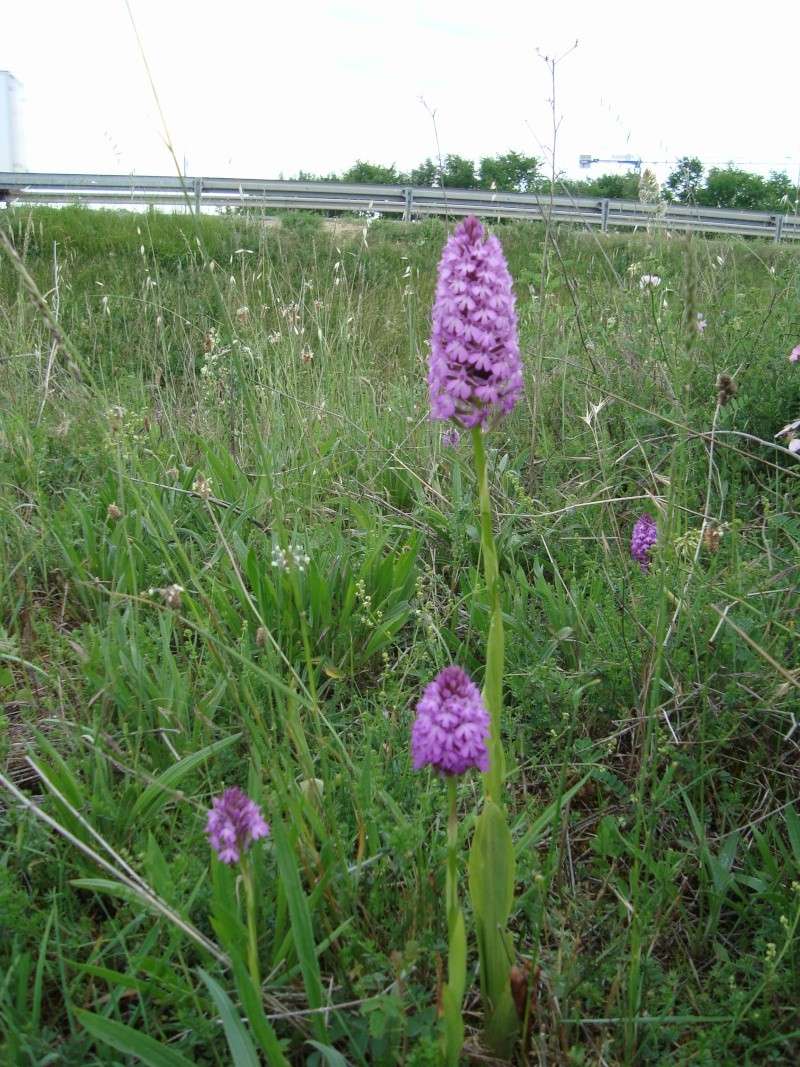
(491, 863)
(491, 886)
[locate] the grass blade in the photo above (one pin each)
(300, 920)
(131, 1042)
(240, 1044)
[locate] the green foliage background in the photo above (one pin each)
(651, 723)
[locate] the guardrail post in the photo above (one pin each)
(604, 215)
(604, 205)
(778, 227)
(198, 194)
(409, 198)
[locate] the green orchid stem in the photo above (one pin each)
(453, 991)
(495, 650)
(451, 894)
(252, 935)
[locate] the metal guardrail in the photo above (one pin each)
(409, 203)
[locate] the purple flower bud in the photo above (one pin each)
(474, 370)
(452, 725)
(645, 535)
(234, 822)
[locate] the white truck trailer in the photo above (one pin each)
(10, 132)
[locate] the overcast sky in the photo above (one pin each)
(260, 89)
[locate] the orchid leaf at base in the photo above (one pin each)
(491, 886)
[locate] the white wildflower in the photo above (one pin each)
(649, 281)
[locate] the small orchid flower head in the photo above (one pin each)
(452, 725)
(794, 355)
(645, 535)
(234, 822)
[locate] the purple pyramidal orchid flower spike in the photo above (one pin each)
(452, 725)
(474, 371)
(234, 822)
(645, 535)
(794, 355)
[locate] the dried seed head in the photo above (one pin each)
(261, 636)
(113, 512)
(202, 486)
(726, 388)
(712, 535)
(242, 314)
(171, 595)
(116, 417)
(209, 340)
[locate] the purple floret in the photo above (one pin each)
(474, 371)
(452, 726)
(234, 822)
(645, 535)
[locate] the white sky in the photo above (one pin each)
(259, 89)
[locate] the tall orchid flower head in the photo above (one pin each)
(452, 725)
(234, 822)
(794, 355)
(645, 535)
(474, 371)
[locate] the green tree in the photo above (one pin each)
(614, 186)
(684, 182)
(510, 172)
(781, 193)
(459, 173)
(734, 188)
(426, 174)
(374, 174)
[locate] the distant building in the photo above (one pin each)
(10, 131)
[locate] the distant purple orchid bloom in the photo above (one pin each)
(645, 535)
(474, 371)
(234, 822)
(452, 725)
(450, 438)
(794, 355)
